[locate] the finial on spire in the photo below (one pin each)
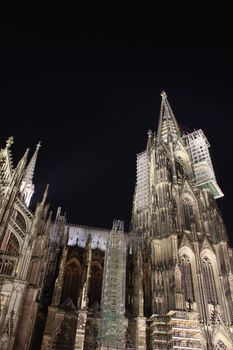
(163, 94)
(149, 133)
(9, 141)
(38, 145)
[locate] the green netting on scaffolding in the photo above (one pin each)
(113, 290)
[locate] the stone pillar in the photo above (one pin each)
(51, 324)
(140, 333)
(80, 331)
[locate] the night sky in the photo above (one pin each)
(90, 95)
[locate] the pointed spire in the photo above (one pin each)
(31, 166)
(27, 187)
(45, 195)
(22, 163)
(168, 129)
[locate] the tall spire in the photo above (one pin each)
(27, 186)
(22, 164)
(168, 128)
(31, 166)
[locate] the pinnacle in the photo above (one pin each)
(9, 141)
(31, 166)
(38, 146)
(163, 94)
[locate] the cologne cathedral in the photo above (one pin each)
(167, 283)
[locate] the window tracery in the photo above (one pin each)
(185, 267)
(95, 283)
(209, 281)
(71, 283)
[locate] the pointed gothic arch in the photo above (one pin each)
(209, 256)
(209, 280)
(186, 254)
(186, 270)
(72, 281)
(95, 287)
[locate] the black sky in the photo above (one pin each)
(91, 92)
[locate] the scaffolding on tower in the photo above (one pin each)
(202, 165)
(142, 194)
(113, 290)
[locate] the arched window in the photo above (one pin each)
(185, 267)
(209, 282)
(71, 283)
(13, 245)
(20, 221)
(188, 214)
(95, 287)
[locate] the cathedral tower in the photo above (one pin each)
(186, 260)
(166, 284)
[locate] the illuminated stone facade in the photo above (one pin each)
(186, 267)
(166, 284)
(24, 239)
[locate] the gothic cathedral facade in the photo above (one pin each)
(165, 284)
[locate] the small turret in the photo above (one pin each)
(45, 194)
(150, 140)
